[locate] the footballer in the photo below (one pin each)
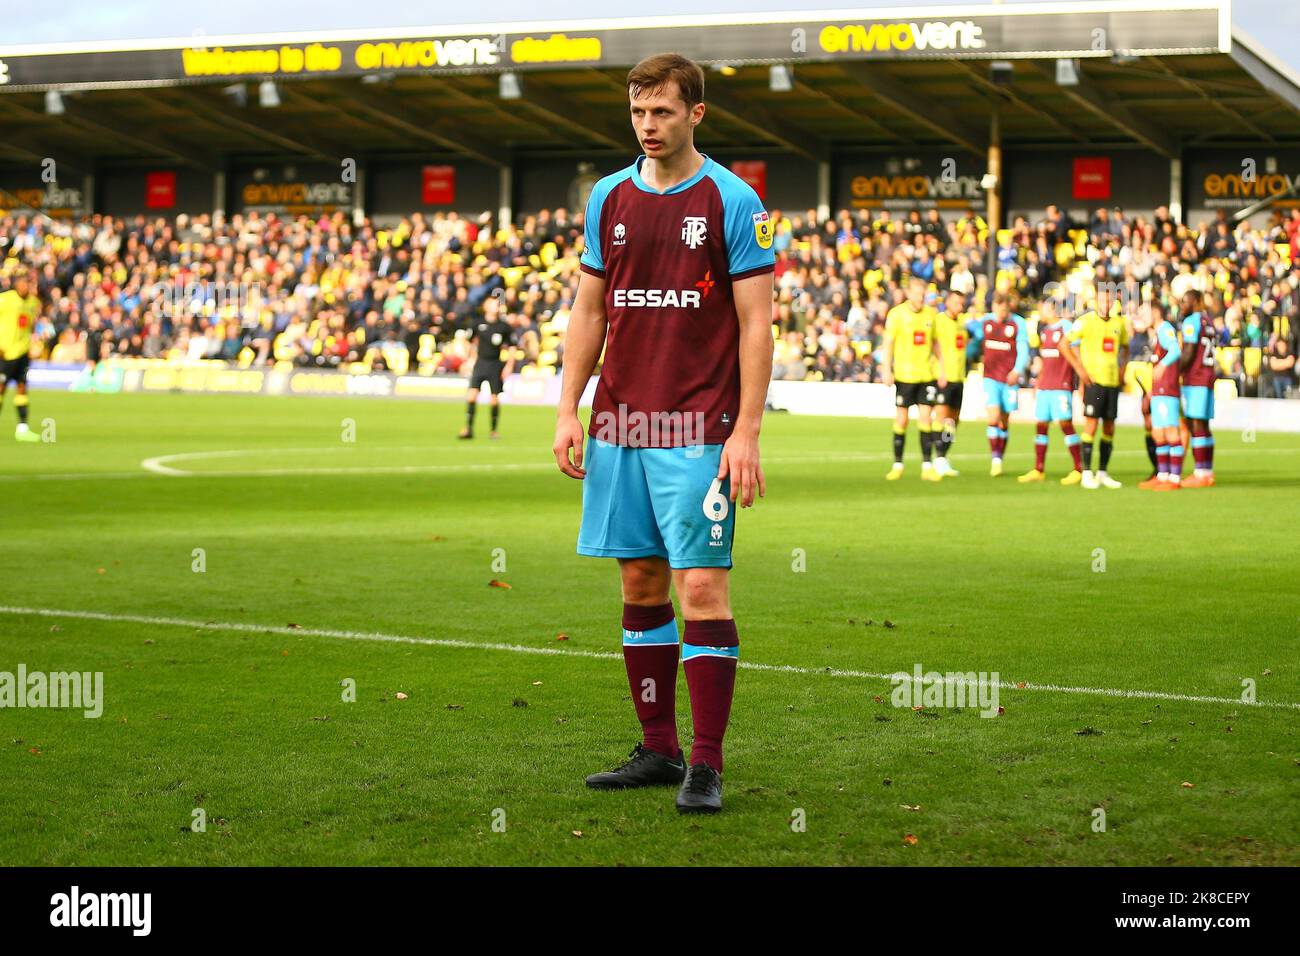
(1054, 392)
(19, 308)
(953, 336)
(1004, 339)
(677, 282)
(913, 364)
(1166, 421)
(1198, 375)
(1101, 336)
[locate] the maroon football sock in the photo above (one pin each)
(710, 654)
(650, 650)
(1067, 429)
(1040, 447)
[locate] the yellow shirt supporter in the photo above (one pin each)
(1101, 343)
(913, 335)
(17, 317)
(953, 338)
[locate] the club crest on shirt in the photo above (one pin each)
(763, 230)
(694, 230)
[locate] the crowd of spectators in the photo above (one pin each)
(325, 292)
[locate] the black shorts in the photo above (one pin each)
(487, 376)
(15, 370)
(951, 395)
(907, 394)
(1101, 401)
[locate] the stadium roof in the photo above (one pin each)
(1164, 74)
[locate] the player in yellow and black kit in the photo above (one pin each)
(19, 308)
(953, 336)
(1101, 338)
(911, 351)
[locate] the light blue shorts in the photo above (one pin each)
(1165, 412)
(643, 502)
(1198, 402)
(1054, 405)
(1001, 395)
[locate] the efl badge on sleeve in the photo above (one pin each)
(763, 230)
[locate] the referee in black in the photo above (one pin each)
(490, 337)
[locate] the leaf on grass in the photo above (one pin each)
(400, 696)
(100, 571)
(878, 699)
(55, 629)
(150, 641)
(284, 653)
(1188, 785)
(35, 751)
(910, 839)
(1001, 711)
(455, 706)
(915, 808)
(494, 583)
(293, 627)
(1089, 732)
(1020, 684)
(436, 537)
(1267, 671)
(537, 683)
(561, 637)
(322, 717)
(519, 702)
(889, 623)
(577, 833)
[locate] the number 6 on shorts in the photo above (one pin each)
(715, 502)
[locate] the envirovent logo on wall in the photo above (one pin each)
(931, 35)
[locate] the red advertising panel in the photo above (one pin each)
(439, 185)
(1092, 177)
(754, 172)
(160, 190)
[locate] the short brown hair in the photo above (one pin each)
(655, 72)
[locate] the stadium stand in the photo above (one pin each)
(260, 290)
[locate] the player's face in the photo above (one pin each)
(916, 295)
(1001, 310)
(662, 120)
(22, 287)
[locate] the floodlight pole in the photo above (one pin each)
(994, 195)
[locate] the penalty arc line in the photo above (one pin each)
(239, 627)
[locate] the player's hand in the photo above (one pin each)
(1085, 379)
(740, 462)
(887, 377)
(941, 382)
(1013, 378)
(569, 436)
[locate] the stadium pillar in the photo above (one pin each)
(995, 193)
(219, 196)
(1176, 189)
(505, 212)
(88, 193)
(823, 191)
(359, 196)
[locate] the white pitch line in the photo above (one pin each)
(610, 655)
(161, 470)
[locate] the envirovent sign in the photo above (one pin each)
(1049, 30)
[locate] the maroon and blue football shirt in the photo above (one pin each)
(668, 260)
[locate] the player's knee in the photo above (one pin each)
(645, 581)
(703, 593)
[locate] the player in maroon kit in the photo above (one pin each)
(1199, 374)
(1056, 383)
(1005, 342)
(677, 271)
(1165, 414)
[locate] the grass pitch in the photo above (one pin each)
(234, 705)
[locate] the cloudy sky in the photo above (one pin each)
(1276, 23)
